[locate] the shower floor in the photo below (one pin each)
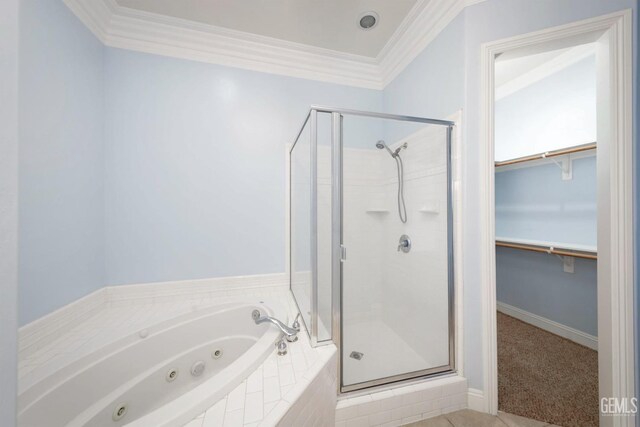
(385, 353)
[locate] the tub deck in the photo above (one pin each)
(264, 398)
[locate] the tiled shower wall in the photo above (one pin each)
(406, 291)
(415, 291)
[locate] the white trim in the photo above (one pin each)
(423, 24)
(487, 234)
(615, 313)
(556, 328)
(547, 69)
(94, 15)
(126, 28)
(475, 400)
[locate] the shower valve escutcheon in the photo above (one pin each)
(404, 244)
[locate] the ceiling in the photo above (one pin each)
(311, 39)
(507, 70)
(329, 24)
(513, 73)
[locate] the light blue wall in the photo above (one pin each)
(195, 165)
(61, 208)
(535, 203)
(536, 283)
(444, 78)
(559, 112)
(433, 86)
(8, 208)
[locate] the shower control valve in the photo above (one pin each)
(404, 244)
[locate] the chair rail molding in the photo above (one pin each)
(126, 28)
(616, 338)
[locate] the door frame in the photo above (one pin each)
(339, 250)
(616, 355)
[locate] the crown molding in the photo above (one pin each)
(126, 28)
(545, 70)
(422, 26)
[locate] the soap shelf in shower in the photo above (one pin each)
(377, 211)
(430, 209)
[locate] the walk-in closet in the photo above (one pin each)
(546, 229)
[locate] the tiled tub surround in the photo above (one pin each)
(282, 392)
(113, 313)
(208, 352)
(404, 404)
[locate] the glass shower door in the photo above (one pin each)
(310, 180)
(397, 281)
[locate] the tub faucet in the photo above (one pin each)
(289, 333)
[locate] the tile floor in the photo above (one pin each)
(469, 418)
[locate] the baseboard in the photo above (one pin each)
(549, 325)
(48, 328)
(476, 400)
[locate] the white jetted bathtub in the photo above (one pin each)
(161, 376)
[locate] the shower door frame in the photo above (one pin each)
(338, 250)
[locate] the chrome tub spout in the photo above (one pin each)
(290, 333)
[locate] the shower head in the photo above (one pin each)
(402, 147)
(381, 145)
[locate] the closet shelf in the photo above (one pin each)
(553, 248)
(546, 155)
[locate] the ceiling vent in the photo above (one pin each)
(368, 20)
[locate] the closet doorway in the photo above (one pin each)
(546, 235)
(557, 228)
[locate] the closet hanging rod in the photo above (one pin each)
(547, 250)
(563, 151)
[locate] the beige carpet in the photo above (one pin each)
(545, 377)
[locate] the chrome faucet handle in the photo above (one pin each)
(296, 327)
(291, 338)
(404, 244)
(281, 345)
(296, 324)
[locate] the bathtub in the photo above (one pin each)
(164, 375)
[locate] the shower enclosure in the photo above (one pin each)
(371, 242)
